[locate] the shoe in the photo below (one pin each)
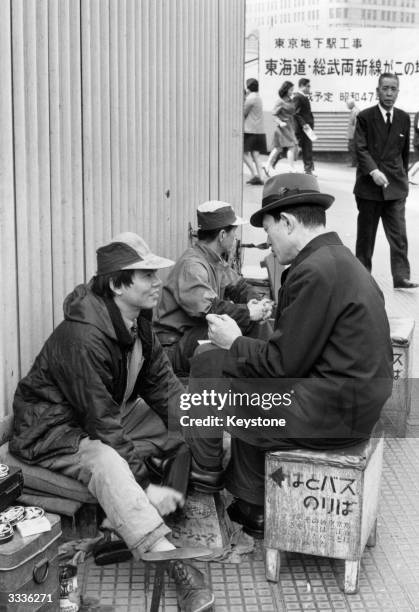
(158, 467)
(266, 171)
(310, 172)
(203, 480)
(193, 595)
(255, 181)
(405, 283)
(251, 516)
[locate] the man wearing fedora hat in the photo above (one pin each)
(203, 282)
(79, 410)
(327, 367)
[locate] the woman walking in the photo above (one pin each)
(284, 139)
(254, 135)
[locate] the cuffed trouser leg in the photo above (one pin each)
(109, 479)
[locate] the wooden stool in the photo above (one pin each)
(323, 503)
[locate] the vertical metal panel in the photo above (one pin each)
(126, 115)
(32, 196)
(65, 150)
(96, 127)
(9, 337)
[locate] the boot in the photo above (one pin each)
(193, 594)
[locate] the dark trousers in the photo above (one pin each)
(392, 214)
(245, 473)
(306, 147)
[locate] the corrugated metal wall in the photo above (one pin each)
(115, 115)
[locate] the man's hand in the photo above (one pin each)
(379, 178)
(260, 310)
(164, 499)
(222, 330)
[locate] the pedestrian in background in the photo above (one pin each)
(304, 124)
(254, 133)
(353, 113)
(284, 138)
(382, 148)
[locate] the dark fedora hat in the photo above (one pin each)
(291, 189)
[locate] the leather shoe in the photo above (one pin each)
(203, 480)
(192, 592)
(158, 467)
(250, 516)
(405, 283)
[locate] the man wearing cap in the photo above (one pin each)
(329, 360)
(202, 282)
(79, 410)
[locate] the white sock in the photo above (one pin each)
(161, 545)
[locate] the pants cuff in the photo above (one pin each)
(149, 540)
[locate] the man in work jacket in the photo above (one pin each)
(79, 411)
(322, 378)
(202, 282)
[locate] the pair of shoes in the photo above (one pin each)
(310, 172)
(192, 592)
(249, 515)
(255, 181)
(204, 480)
(405, 283)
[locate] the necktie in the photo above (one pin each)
(388, 122)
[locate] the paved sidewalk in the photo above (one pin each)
(389, 577)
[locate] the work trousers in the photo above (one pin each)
(109, 479)
(392, 214)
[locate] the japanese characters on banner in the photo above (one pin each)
(340, 64)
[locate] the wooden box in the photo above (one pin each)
(322, 503)
(29, 571)
(397, 408)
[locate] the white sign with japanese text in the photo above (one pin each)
(340, 64)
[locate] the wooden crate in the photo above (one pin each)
(396, 410)
(322, 503)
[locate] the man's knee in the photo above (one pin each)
(100, 460)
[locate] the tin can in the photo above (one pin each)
(69, 597)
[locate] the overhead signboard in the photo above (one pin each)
(340, 64)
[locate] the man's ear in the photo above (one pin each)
(289, 221)
(115, 290)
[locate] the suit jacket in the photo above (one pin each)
(375, 147)
(331, 345)
(416, 131)
(303, 112)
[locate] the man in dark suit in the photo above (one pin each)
(381, 187)
(328, 362)
(303, 120)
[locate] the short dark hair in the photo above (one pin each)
(101, 282)
(309, 216)
(284, 89)
(387, 75)
(252, 85)
(303, 82)
(210, 235)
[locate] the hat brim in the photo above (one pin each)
(150, 262)
(240, 221)
(316, 199)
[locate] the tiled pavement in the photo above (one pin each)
(389, 578)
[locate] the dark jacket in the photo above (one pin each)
(77, 383)
(303, 112)
(201, 282)
(331, 344)
(416, 131)
(375, 147)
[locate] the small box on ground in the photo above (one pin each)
(29, 571)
